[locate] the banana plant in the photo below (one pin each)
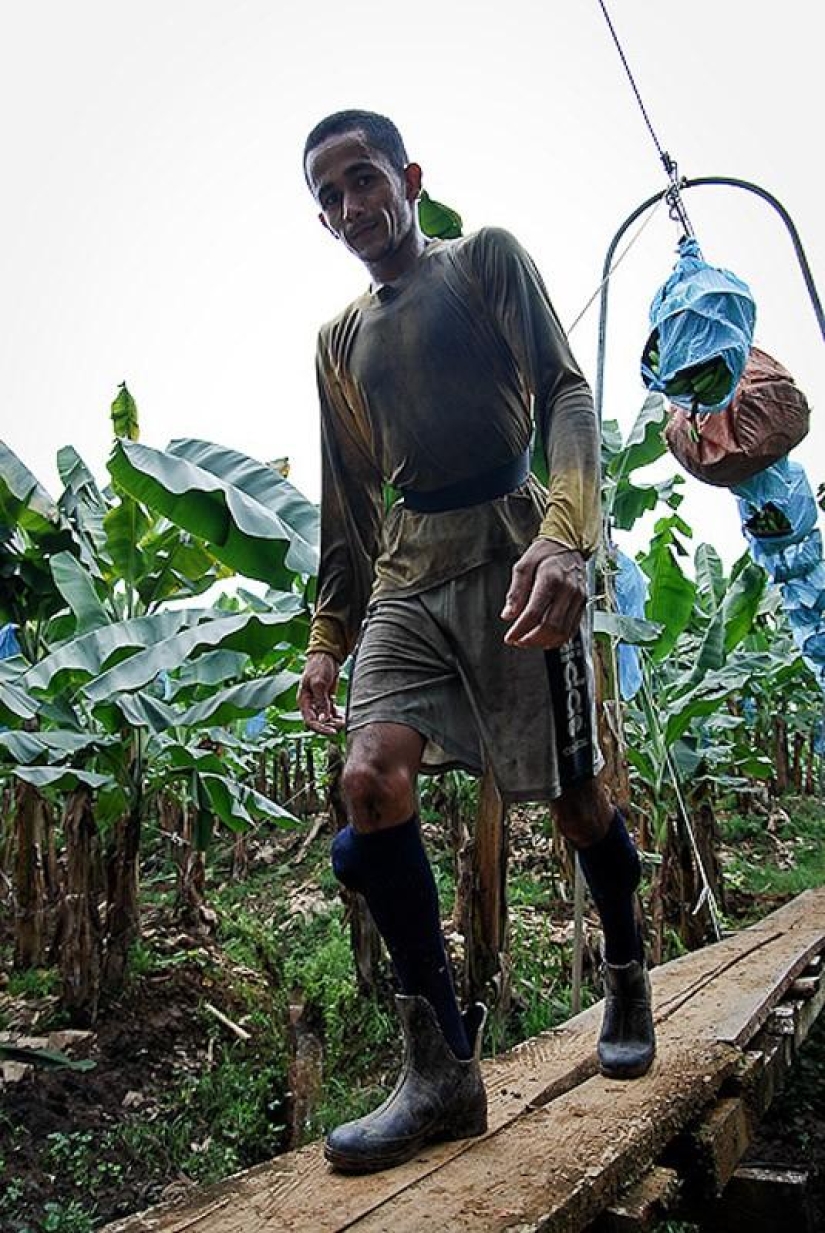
(129, 695)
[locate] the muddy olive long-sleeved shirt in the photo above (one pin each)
(431, 380)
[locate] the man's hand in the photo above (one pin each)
(548, 592)
(316, 694)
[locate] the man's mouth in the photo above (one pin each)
(357, 233)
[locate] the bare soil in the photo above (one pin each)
(142, 1046)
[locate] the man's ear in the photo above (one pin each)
(412, 180)
(322, 219)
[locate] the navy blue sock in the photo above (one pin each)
(612, 870)
(390, 869)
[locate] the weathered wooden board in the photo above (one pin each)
(562, 1139)
(642, 1206)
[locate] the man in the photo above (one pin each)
(431, 382)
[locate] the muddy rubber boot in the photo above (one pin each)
(627, 1043)
(438, 1096)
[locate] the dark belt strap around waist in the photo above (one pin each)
(473, 491)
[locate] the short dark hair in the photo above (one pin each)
(380, 132)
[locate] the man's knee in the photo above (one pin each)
(379, 783)
(583, 813)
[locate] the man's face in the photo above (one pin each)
(365, 201)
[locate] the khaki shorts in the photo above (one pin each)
(437, 663)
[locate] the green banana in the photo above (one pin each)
(707, 383)
(768, 520)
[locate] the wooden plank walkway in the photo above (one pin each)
(562, 1141)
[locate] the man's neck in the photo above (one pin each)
(399, 262)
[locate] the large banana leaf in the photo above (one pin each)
(235, 702)
(253, 520)
(671, 596)
(75, 584)
(711, 691)
(209, 669)
(239, 806)
(731, 622)
(711, 583)
(239, 701)
(139, 711)
(125, 524)
(89, 654)
(49, 747)
(83, 506)
(24, 502)
(15, 703)
(251, 632)
(62, 778)
(644, 442)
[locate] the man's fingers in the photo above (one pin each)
(521, 583)
(324, 727)
(530, 618)
(318, 709)
(547, 625)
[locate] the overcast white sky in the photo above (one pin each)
(156, 228)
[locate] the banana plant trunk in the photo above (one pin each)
(781, 759)
(191, 880)
(6, 830)
(80, 931)
(678, 887)
(810, 764)
(122, 899)
(32, 880)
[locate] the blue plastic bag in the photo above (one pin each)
(792, 563)
(777, 507)
(700, 314)
(255, 726)
(807, 592)
(9, 645)
(631, 588)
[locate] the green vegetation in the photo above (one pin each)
(780, 855)
(147, 731)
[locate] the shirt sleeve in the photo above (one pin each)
(563, 403)
(351, 514)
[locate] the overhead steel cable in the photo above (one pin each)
(673, 195)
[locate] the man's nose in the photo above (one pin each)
(353, 207)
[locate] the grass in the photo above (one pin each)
(785, 863)
(32, 982)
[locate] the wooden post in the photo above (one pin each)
(486, 946)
